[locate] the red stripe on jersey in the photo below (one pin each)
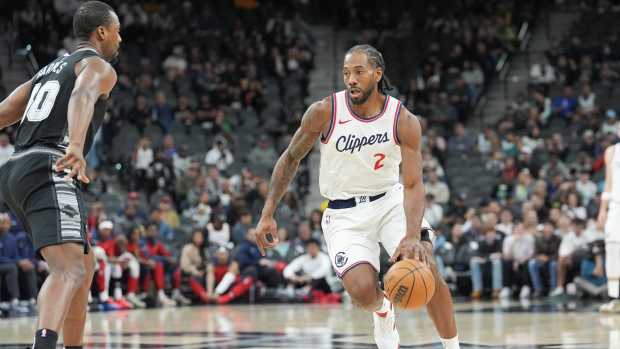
(332, 123)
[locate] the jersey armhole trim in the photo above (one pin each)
(332, 121)
(395, 127)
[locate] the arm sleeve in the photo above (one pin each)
(323, 270)
(293, 267)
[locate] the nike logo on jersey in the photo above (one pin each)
(340, 122)
(352, 144)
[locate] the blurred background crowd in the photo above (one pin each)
(209, 94)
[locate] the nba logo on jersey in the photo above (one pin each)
(341, 259)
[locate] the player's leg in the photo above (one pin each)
(612, 270)
(354, 251)
(440, 307)
(67, 275)
(362, 284)
(441, 310)
(73, 327)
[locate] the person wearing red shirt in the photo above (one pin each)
(160, 261)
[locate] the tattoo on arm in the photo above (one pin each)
(301, 144)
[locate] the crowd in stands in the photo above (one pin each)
(537, 233)
(201, 111)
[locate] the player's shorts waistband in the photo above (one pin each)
(352, 202)
(35, 150)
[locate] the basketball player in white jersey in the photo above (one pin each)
(609, 220)
(364, 136)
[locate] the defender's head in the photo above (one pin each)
(96, 21)
(363, 73)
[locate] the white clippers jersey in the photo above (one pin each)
(615, 175)
(359, 156)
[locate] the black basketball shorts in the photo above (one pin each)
(48, 204)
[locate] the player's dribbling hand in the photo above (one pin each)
(74, 162)
(413, 248)
(266, 236)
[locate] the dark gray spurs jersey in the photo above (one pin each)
(45, 121)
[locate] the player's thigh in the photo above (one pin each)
(349, 243)
(612, 225)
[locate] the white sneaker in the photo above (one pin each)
(525, 292)
(386, 335)
(505, 293)
(180, 298)
(165, 301)
(559, 291)
(611, 307)
(137, 303)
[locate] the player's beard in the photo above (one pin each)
(362, 98)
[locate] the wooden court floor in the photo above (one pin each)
(481, 325)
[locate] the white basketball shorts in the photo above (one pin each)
(353, 234)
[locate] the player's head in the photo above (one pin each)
(96, 21)
(363, 73)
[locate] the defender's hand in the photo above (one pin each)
(414, 249)
(266, 236)
(74, 162)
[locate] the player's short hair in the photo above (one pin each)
(89, 16)
(312, 241)
(376, 60)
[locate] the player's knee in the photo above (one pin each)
(73, 275)
(363, 292)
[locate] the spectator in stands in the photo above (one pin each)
(454, 256)
(487, 262)
(284, 249)
(6, 148)
(169, 149)
(572, 207)
(433, 212)
(142, 160)
(124, 262)
(193, 266)
(542, 73)
(164, 230)
(506, 223)
(219, 155)
(26, 251)
(262, 158)
(517, 250)
(181, 161)
(545, 260)
(565, 105)
(437, 188)
(162, 114)
(310, 269)
(160, 261)
(218, 231)
(570, 252)
(460, 142)
(159, 176)
(12, 267)
(200, 214)
(241, 227)
(168, 213)
(592, 277)
(610, 124)
(587, 100)
(586, 188)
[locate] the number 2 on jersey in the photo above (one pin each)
(379, 162)
(42, 101)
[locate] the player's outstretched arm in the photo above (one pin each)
(13, 107)
(606, 195)
(312, 124)
(95, 79)
(410, 136)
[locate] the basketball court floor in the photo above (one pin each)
(481, 325)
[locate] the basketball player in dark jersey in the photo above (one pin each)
(60, 110)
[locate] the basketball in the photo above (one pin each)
(409, 284)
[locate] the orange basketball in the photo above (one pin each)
(409, 284)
